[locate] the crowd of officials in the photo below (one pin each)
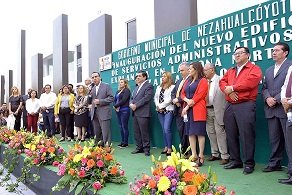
(201, 103)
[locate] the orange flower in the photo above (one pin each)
(71, 171)
(188, 176)
(90, 163)
(51, 150)
(152, 184)
(190, 190)
(199, 179)
(108, 157)
(114, 170)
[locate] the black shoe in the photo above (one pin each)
(163, 152)
(123, 145)
(286, 181)
(168, 154)
(137, 151)
(248, 170)
(147, 153)
(271, 169)
(120, 145)
(233, 165)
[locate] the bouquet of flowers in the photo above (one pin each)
(43, 151)
(176, 175)
(89, 167)
(18, 141)
(6, 135)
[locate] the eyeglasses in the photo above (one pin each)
(239, 53)
(205, 70)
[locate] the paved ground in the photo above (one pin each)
(22, 189)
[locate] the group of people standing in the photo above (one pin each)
(201, 102)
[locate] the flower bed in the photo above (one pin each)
(177, 176)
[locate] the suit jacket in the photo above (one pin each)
(199, 98)
(105, 96)
(142, 100)
(272, 88)
(219, 101)
(124, 98)
(177, 110)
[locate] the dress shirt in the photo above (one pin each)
(277, 67)
(32, 106)
(48, 100)
(284, 87)
(211, 91)
(141, 86)
(239, 68)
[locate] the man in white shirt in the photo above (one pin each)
(47, 103)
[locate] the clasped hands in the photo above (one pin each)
(286, 104)
(232, 94)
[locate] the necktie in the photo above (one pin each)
(207, 97)
(288, 89)
(180, 88)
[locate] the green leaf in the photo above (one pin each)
(73, 185)
(79, 188)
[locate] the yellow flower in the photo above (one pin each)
(187, 165)
(163, 184)
(86, 152)
(77, 157)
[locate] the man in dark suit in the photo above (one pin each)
(286, 97)
(274, 111)
(177, 101)
(240, 85)
(140, 104)
(101, 112)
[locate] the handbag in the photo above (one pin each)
(10, 121)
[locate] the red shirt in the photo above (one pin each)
(245, 84)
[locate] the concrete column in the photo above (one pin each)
(2, 89)
(21, 67)
(37, 72)
(60, 52)
(182, 14)
(99, 40)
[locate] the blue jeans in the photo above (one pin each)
(49, 122)
(123, 119)
(165, 121)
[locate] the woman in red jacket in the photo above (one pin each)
(194, 96)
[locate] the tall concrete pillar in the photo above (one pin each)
(60, 52)
(99, 40)
(182, 14)
(2, 89)
(21, 66)
(37, 72)
(9, 86)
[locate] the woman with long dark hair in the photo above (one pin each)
(194, 96)
(121, 106)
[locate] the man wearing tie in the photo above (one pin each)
(286, 97)
(240, 85)
(177, 101)
(274, 111)
(215, 110)
(140, 104)
(101, 112)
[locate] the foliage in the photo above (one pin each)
(176, 176)
(89, 167)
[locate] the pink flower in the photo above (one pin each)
(81, 173)
(103, 173)
(122, 172)
(42, 150)
(169, 170)
(55, 163)
(62, 169)
(173, 182)
(84, 160)
(96, 185)
(35, 161)
(99, 163)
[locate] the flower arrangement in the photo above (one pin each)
(89, 167)
(6, 135)
(42, 151)
(19, 139)
(176, 175)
